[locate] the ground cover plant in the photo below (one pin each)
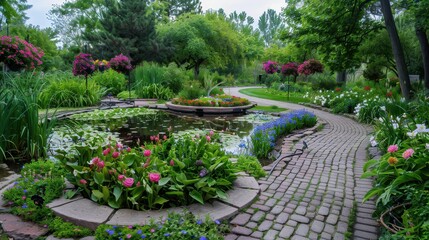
(265, 136)
(165, 172)
(41, 182)
(175, 226)
(275, 94)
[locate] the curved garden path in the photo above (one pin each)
(317, 195)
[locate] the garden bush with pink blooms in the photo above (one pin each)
(165, 172)
(18, 53)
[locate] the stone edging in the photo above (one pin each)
(84, 212)
(209, 110)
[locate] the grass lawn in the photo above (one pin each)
(268, 109)
(295, 97)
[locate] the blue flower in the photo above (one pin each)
(143, 236)
(183, 232)
(139, 232)
(199, 222)
(24, 206)
(25, 191)
(217, 222)
(110, 231)
(167, 234)
(203, 238)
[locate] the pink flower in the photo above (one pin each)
(119, 145)
(128, 182)
(100, 164)
(171, 162)
(165, 137)
(147, 153)
(24, 197)
(392, 148)
(128, 149)
(106, 151)
(115, 154)
(83, 181)
(121, 177)
(129, 235)
(154, 177)
(94, 161)
(138, 184)
(208, 138)
(211, 133)
(152, 138)
(408, 153)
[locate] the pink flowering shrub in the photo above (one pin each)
(290, 69)
(309, 67)
(270, 67)
(163, 172)
(121, 63)
(83, 64)
(18, 53)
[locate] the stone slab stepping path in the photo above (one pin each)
(312, 196)
(84, 212)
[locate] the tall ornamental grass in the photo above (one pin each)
(23, 134)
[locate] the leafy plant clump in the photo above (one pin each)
(251, 165)
(264, 136)
(40, 183)
(113, 81)
(112, 113)
(175, 226)
(217, 101)
(164, 173)
(154, 91)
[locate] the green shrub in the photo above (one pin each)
(322, 81)
(71, 93)
(154, 91)
(192, 90)
(251, 165)
(113, 81)
(146, 74)
(174, 77)
(124, 95)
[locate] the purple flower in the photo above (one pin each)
(203, 238)
(121, 63)
(110, 231)
(183, 232)
(203, 172)
(217, 222)
(199, 222)
(83, 64)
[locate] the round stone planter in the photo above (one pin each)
(201, 110)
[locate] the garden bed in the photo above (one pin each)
(201, 110)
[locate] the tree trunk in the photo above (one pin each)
(341, 77)
(424, 47)
(196, 71)
(398, 52)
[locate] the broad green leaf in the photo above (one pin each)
(113, 204)
(129, 159)
(176, 193)
(211, 182)
(137, 192)
(221, 194)
(369, 164)
(163, 181)
(71, 193)
(160, 200)
(97, 194)
(197, 196)
(99, 178)
(106, 193)
(223, 182)
(372, 192)
(406, 177)
(117, 192)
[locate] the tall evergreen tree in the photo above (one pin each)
(128, 27)
(269, 25)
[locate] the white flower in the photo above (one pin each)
(427, 146)
(395, 125)
(421, 128)
(412, 134)
(383, 108)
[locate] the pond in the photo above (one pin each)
(136, 125)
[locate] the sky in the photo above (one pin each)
(254, 8)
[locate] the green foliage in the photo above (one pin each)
(175, 226)
(218, 101)
(21, 129)
(154, 91)
(113, 81)
(112, 113)
(192, 90)
(148, 73)
(322, 81)
(126, 95)
(251, 165)
(295, 97)
(170, 172)
(63, 229)
(70, 93)
(174, 77)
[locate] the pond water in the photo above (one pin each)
(130, 128)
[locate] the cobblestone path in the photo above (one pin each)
(312, 196)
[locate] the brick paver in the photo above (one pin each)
(312, 195)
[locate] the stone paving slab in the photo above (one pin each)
(14, 227)
(216, 210)
(240, 197)
(126, 217)
(246, 182)
(84, 212)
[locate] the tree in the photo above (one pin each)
(335, 28)
(269, 25)
(127, 27)
(398, 52)
(195, 40)
(176, 8)
(418, 11)
(74, 18)
(13, 11)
